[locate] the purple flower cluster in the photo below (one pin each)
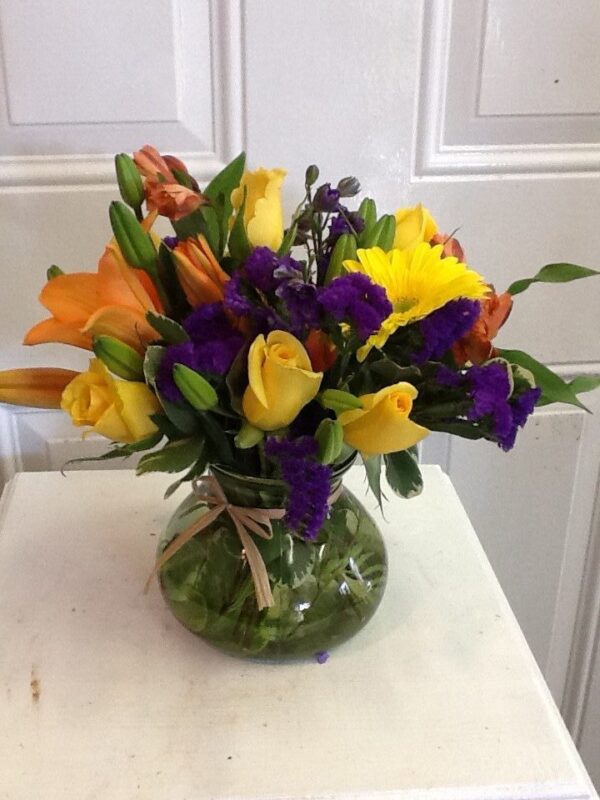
(344, 222)
(355, 299)
(490, 392)
(213, 345)
(442, 328)
(265, 270)
(309, 483)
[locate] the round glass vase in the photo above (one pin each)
(324, 590)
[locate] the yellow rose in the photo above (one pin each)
(383, 424)
(117, 409)
(281, 381)
(413, 226)
(263, 214)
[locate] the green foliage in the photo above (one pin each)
(339, 401)
(152, 360)
(196, 471)
(403, 473)
(345, 249)
(121, 450)
(553, 273)
(174, 456)
(219, 192)
(169, 330)
(185, 420)
(554, 388)
(580, 384)
(239, 246)
(368, 211)
(373, 470)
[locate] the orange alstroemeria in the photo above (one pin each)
(39, 387)
(321, 350)
(451, 246)
(111, 302)
(163, 192)
(200, 274)
(476, 346)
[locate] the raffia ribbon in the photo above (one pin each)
(258, 520)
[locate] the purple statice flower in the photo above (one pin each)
(308, 482)
(521, 407)
(355, 299)
(262, 265)
(235, 300)
(300, 299)
(171, 241)
(446, 325)
(344, 222)
(326, 199)
(449, 377)
(321, 656)
(213, 345)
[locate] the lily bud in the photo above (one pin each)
(136, 245)
(129, 180)
(196, 389)
(339, 401)
(381, 234)
(53, 272)
(349, 186)
(119, 358)
(330, 439)
(312, 175)
(368, 211)
(345, 248)
(248, 436)
(38, 387)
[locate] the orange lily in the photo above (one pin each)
(39, 387)
(451, 246)
(200, 274)
(476, 346)
(163, 192)
(111, 302)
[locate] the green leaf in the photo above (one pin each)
(554, 389)
(288, 240)
(553, 273)
(239, 246)
(339, 401)
(403, 473)
(165, 426)
(345, 249)
(583, 383)
(152, 361)
(136, 245)
(178, 304)
(237, 380)
(220, 449)
(184, 419)
(373, 470)
(169, 330)
(174, 457)
(53, 272)
(219, 191)
(459, 427)
(197, 469)
(122, 450)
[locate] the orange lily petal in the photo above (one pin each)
(197, 286)
(151, 164)
(39, 387)
(71, 298)
(119, 284)
(496, 312)
(51, 330)
(125, 324)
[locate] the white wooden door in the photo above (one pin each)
(488, 111)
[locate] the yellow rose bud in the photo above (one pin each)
(119, 410)
(413, 226)
(281, 381)
(263, 214)
(383, 424)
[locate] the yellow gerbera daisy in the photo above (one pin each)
(416, 282)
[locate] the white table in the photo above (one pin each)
(104, 695)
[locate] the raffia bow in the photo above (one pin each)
(258, 520)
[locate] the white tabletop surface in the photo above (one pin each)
(104, 695)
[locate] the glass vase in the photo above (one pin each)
(324, 590)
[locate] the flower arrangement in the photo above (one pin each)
(281, 349)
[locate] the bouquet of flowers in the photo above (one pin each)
(280, 349)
